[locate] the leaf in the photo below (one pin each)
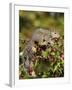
(44, 53)
(36, 63)
(44, 76)
(53, 53)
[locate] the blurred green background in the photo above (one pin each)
(30, 20)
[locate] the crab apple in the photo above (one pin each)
(33, 59)
(30, 71)
(53, 49)
(62, 56)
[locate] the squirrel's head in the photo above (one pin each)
(55, 34)
(44, 36)
(41, 36)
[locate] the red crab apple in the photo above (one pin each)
(62, 56)
(30, 71)
(33, 59)
(54, 49)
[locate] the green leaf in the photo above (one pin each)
(53, 53)
(58, 53)
(44, 53)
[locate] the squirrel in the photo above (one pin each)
(42, 37)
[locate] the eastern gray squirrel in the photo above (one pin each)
(41, 37)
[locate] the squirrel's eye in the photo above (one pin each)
(55, 33)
